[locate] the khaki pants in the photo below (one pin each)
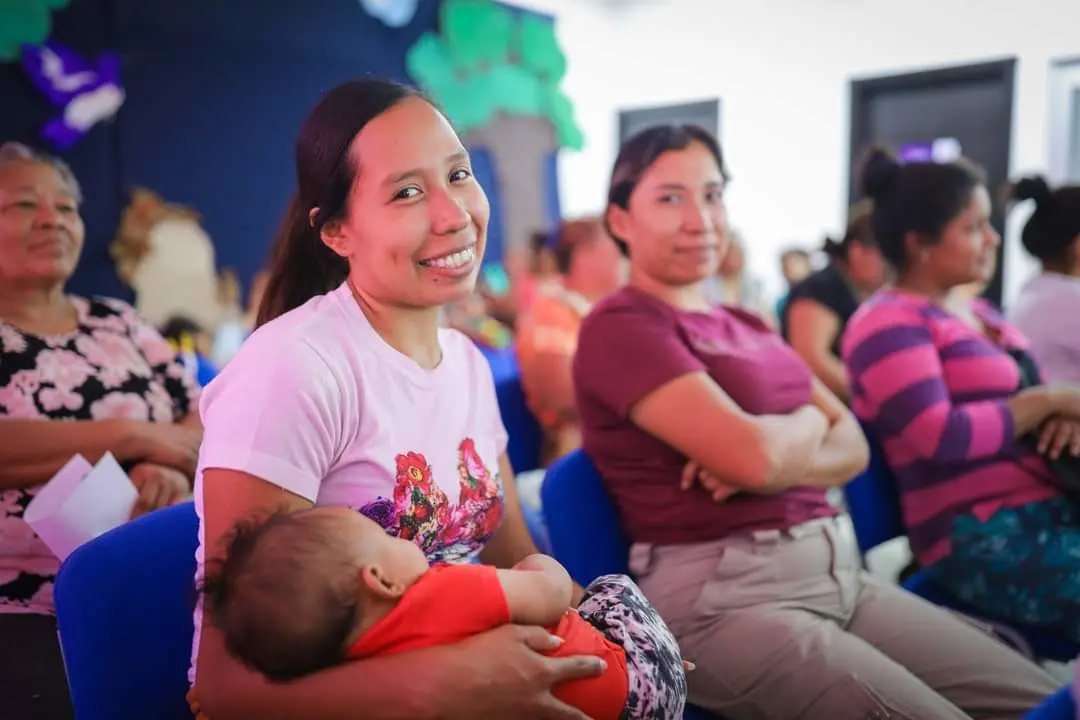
(785, 625)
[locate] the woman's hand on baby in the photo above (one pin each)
(695, 474)
(158, 487)
(1059, 435)
(509, 676)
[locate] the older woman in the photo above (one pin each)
(349, 394)
(742, 555)
(91, 363)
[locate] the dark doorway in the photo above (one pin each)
(931, 115)
(705, 113)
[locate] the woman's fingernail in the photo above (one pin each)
(556, 640)
(690, 667)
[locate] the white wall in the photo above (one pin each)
(782, 70)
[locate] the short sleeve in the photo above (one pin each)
(446, 605)
(626, 352)
(276, 412)
(163, 360)
(471, 596)
(821, 288)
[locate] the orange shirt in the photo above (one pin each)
(550, 327)
(453, 602)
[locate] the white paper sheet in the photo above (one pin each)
(81, 502)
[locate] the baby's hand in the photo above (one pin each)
(538, 590)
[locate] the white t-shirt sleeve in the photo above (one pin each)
(277, 414)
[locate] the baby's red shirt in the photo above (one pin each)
(452, 602)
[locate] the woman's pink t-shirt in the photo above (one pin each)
(318, 404)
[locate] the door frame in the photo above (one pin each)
(863, 90)
(1064, 77)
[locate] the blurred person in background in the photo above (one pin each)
(795, 265)
(193, 345)
(734, 285)
(470, 316)
(820, 306)
(1046, 310)
(590, 267)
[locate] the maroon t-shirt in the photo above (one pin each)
(630, 345)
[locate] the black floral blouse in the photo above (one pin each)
(114, 365)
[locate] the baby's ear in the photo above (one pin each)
(379, 584)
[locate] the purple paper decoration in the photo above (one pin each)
(941, 150)
(84, 94)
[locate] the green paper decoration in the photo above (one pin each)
(477, 32)
(539, 49)
(487, 60)
(25, 22)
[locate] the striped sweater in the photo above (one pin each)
(932, 389)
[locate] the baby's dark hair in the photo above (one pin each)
(284, 594)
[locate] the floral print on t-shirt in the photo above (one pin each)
(114, 365)
(420, 511)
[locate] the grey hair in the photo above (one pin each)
(16, 152)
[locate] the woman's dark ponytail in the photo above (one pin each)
(301, 265)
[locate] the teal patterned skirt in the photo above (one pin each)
(1022, 566)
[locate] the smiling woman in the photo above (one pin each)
(743, 550)
(92, 363)
(348, 394)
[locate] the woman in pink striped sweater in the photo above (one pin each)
(940, 384)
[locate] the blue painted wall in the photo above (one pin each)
(216, 92)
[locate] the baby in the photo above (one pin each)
(299, 592)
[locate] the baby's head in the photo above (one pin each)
(293, 589)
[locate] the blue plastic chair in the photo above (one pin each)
(583, 527)
(124, 604)
(503, 362)
(526, 436)
(1059, 706)
(873, 502)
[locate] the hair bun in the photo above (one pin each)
(1035, 188)
(879, 173)
(832, 247)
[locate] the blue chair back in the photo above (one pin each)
(503, 362)
(873, 501)
(124, 603)
(583, 526)
(526, 436)
(1059, 706)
